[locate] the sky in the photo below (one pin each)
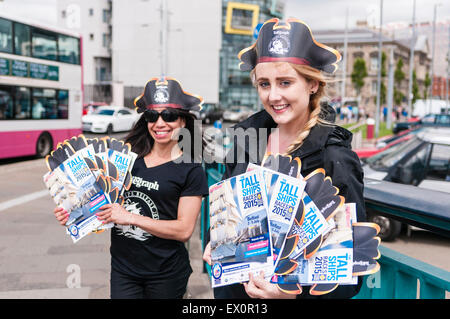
(318, 14)
(328, 14)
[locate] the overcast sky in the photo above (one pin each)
(318, 14)
(325, 14)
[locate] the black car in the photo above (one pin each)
(211, 113)
(427, 120)
(422, 161)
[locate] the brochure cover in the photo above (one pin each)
(73, 180)
(240, 233)
(333, 262)
(82, 178)
(284, 195)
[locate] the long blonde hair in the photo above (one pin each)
(309, 74)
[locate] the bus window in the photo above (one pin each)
(68, 49)
(23, 104)
(44, 45)
(22, 43)
(6, 103)
(63, 104)
(5, 36)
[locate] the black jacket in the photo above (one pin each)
(328, 147)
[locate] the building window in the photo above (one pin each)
(374, 63)
(5, 36)
(22, 43)
(106, 39)
(44, 45)
(91, 12)
(374, 87)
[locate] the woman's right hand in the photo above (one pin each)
(61, 215)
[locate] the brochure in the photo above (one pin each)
(333, 262)
(84, 174)
(240, 232)
(284, 195)
(74, 180)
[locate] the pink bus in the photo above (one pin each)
(41, 89)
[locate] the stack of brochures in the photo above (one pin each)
(296, 229)
(85, 174)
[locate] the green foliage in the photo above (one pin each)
(415, 88)
(358, 74)
(399, 76)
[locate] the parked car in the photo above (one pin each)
(212, 113)
(237, 113)
(90, 107)
(428, 120)
(423, 161)
(366, 152)
(209, 113)
(109, 119)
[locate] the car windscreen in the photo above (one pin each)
(104, 112)
(389, 157)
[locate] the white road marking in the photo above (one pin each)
(22, 199)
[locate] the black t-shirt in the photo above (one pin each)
(155, 193)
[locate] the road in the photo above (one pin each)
(38, 260)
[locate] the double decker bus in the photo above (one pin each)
(41, 89)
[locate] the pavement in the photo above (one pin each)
(39, 261)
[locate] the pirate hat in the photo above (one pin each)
(291, 41)
(166, 92)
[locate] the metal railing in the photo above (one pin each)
(400, 276)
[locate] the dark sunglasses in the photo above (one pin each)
(152, 116)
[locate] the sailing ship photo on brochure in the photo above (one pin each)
(240, 235)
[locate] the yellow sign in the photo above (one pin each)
(242, 18)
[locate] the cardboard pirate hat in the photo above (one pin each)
(166, 92)
(290, 41)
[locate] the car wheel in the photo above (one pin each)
(109, 129)
(44, 145)
(389, 228)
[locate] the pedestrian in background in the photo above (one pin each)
(148, 254)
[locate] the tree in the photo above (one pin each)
(358, 74)
(415, 88)
(426, 83)
(399, 76)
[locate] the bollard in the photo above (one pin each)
(370, 128)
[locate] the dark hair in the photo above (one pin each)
(142, 142)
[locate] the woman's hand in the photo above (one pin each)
(207, 254)
(258, 287)
(61, 215)
(115, 213)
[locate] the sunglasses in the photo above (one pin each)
(152, 116)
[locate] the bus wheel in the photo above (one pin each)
(44, 145)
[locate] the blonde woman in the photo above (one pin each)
(288, 78)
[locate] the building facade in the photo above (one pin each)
(363, 43)
(92, 19)
(239, 20)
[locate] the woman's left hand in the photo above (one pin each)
(114, 213)
(258, 287)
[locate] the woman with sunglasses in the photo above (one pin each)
(286, 64)
(148, 255)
